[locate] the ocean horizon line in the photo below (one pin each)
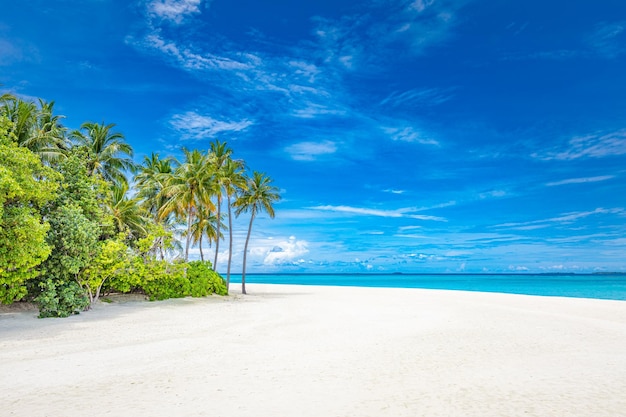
(437, 273)
(579, 285)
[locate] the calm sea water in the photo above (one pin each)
(611, 287)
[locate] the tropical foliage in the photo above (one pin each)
(79, 219)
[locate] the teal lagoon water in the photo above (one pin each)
(600, 286)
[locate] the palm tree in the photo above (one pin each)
(36, 128)
(186, 190)
(257, 197)
(127, 214)
(107, 152)
(205, 224)
(234, 181)
(23, 116)
(150, 180)
(220, 153)
(48, 138)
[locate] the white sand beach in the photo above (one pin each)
(320, 352)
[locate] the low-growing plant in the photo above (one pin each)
(204, 280)
(195, 279)
(61, 299)
(165, 281)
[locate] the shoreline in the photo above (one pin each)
(307, 350)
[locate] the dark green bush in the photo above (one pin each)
(61, 299)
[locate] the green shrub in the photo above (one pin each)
(162, 281)
(195, 279)
(204, 280)
(61, 299)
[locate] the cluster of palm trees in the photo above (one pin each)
(185, 196)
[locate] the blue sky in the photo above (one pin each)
(414, 136)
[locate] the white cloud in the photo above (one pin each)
(312, 110)
(417, 97)
(196, 126)
(492, 194)
(421, 5)
(305, 69)
(591, 146)
(190, 60)
(286, 251)
(566, 218)
(436, 206)
(518, 268)
(309, 151)
(405, 228)
(174, 10)
(399, 213)
(608, 39)
(408, 134)
(580, 180)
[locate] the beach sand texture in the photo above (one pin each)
(320, 352)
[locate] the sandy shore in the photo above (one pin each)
(320, 352)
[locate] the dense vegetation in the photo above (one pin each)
(78, 218)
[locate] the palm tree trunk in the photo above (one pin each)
(245, 252)
(200, 246)
(161, 248)
(189, 212)
(217, 237)
(230, 243)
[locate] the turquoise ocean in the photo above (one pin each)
(601, 286)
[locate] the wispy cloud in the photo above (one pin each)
(190, 60)
(409, 134)
(420, 24)
(608, 39)
(398, 213)
(192, 125)
(418, 97)
(580, 180)
(12, 51)
(175, 11)
(309, 151)
(366, 37)
(589, 146)
(564, 219)
(405, 228)
(555, 55)
(305, 81)
(437, 206)
(313, 110)
(492, 194)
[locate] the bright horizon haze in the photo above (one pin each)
(429, 136)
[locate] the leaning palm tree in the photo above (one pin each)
(186, 190)
(220, 154)
(258, 196)
(234, 181)
(107, 152)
